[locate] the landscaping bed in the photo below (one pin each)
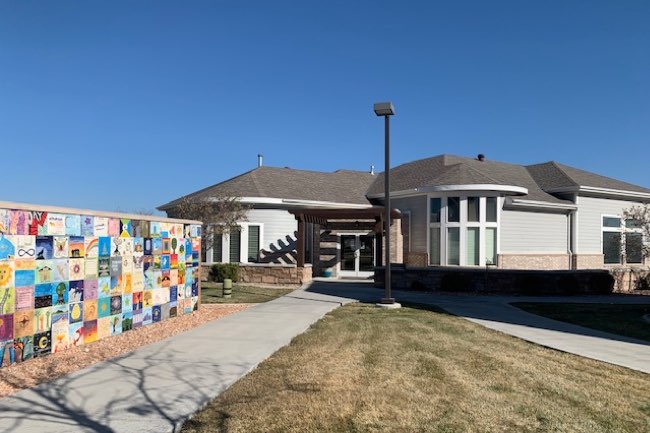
(212, 293)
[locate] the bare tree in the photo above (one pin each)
(218, 214)
(641, 215)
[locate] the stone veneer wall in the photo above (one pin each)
(534, 261)
(268, 273)
(588, 261)
(70, 277)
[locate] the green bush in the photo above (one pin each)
(642, 280)
(221, 271)
(601, 283)
(455, 282)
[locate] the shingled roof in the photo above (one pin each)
(341, 186)
(457, 170)
(553, 176)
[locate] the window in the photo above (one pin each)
(253, 244)
(217, 247)
(453, 246)
(235, 245)
(491, 209)
(622, 241)
(473, 209)
(435, 210)
(473, 245)
(490, 246)
(453, 209)
(434, 245)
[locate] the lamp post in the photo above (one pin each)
(386, 109)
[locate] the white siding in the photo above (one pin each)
(418, 207)
(589, 221)
(278, 224)
(533, 232)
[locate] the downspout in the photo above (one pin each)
(570, 239)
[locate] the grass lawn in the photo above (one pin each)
(365, 369)
(624, 320)
(211, 293)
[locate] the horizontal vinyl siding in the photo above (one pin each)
(418, 208)
(278, 224)
(589, 214)
(533, 232)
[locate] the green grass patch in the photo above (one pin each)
(212, 293)
(366, 369)
(620, 319)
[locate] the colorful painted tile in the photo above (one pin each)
(60, 293)
(116, 304)
(43, 271)
(103, 327)
(18, 222)
(136, 301)
(157, 246)
(76, 334)
(6, 273)
(90, 331)
(55, 224)
(24, 348)
(156, 313)
(104, 287)
(73, 225)
(164, 262)
(113, 227)
(37, 223)
(148, 246)
(76, 269)
(60, 336)
(173, 309)
(25, 247)
(42, 344)
(127, 321)
(25, 298)
(173, 261)
(7, 247)
(87, 225)
(60, 244)
(137, 319)
(116, 266)
(42, 319)
(147, 299)
(91, 247)
(136, 228)
(154, 229)
(127, 264)
(7, 300)
(76, 312)
(76, 291)
(104, 267)
(103, 307)
(164, 311)
(90, 310)
(24, 278)
(127, 302)
(166, 279)
(90, 289)
(147, 317)
(100, 226)
(24, 323)
(76, 246)
(116, 324)
(137, 282)
(44, 247)
(6, 327)
(125, 228)
(104, 246)
(91, 267)
(7, 353)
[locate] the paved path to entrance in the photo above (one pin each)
(156, 388)
(495, 312)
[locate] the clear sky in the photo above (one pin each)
(125, 105)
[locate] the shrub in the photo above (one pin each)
(601, 283)
(533, 284)
(221, 271)
(455, 283)
(418, 286)
(642, 280)
(568, 285)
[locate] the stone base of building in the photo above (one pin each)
(534, 261)
(588, 261)
(267, 273)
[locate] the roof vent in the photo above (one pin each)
(372, 169)
(480, 157)
(260, 160)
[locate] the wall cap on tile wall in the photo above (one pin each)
(69, 210)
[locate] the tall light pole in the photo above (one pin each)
(386, 109)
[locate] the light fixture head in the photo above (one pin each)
(384, 109)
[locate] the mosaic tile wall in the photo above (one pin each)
(68, 280)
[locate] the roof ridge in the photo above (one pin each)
(559, 165)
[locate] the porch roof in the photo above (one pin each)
(322, 216)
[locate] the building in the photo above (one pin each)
(453, 211)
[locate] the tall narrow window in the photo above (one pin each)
(473, 209)
(453, 246)
(453, 209)
(235, 245)
(435, 210)
(434, 245)
(217, 247)
(490, 246)
(491, 209)
(253, 244)
(612, 247)
(634, 247)
(473, 245)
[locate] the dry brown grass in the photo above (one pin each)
(363, 369)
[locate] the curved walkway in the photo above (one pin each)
(495, 312)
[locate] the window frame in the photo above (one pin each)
(623, 231)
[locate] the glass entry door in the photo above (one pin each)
(357, 255)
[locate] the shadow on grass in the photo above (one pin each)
(489, 308)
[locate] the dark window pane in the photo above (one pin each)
(235, 245)
(612, 247)
(473, 210)
(632, 224)
(491, 209)
(611, 222)
(253, 244)
(633, 247)
(434, 245)
(217, 247)
(435, 210)
(453, 246)
(453, 209)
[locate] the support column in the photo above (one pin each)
(300, 243)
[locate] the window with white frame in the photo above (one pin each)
(622, 241)
(240, 244)
(463, 230)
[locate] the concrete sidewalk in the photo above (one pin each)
(495, 312)
(156, 388)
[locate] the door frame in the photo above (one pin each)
(356, 273)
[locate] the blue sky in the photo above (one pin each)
(119, 105)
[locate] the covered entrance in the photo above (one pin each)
(346, 241)
(357, 255)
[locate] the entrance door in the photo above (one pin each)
(357, 256)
